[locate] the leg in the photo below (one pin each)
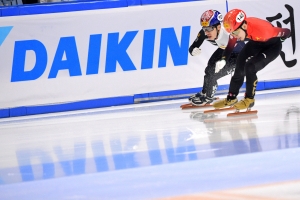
(214, 77)
(210, 78)
(238, 78)
(267, 54)
(210, 83)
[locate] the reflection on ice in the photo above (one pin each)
(47, 147)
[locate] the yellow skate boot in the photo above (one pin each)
(245, 103)
(224, 103)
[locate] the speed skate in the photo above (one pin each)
(245, 104)
(190, 105)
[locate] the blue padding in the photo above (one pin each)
(134, 2)
(4, 113)
(96, 103)
(148, 97)
(174, 92)
(179, 92)
(18, 111)
(282, 84)
(223, 87)
(141, 96)
(145, 2)
(115, 101)
(10, 11)
(70, 6)
(168, 95)
(259, 86)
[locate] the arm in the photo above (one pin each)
(229, 48)
(198, 41)
(226, 54)
(286, 33)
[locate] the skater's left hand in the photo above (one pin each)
(219, 65)
(282, 39)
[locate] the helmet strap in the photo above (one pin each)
(241, 27)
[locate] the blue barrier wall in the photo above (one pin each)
(125, 100)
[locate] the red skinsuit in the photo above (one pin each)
(261, 30)
(258, 30)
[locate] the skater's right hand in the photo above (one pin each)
(219, 65)
(196, 51)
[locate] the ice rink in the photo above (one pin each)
(155, 151)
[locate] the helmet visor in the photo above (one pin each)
(236, 32)
(208, 28)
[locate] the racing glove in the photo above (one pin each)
(196, 51)
(219, 65)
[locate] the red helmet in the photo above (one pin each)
(234, 19)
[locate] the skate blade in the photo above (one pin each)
(191, 106)
(218, 110)
(185, 105)
(237, 114)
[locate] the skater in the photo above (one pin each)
(213, 32)
(265, 43)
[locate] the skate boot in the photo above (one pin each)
(245, 103)
(201, 101)
(224, 103)
(197, 95)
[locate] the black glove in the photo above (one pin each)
(282, 39)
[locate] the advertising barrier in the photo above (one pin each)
(96, 58)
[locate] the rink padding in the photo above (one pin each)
(33, 9)
(88, 104)
(126, 100)
(281, 84)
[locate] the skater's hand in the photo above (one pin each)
(282, 39)
(196, 51)
(219, 65)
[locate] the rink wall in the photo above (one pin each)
(80, 55)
